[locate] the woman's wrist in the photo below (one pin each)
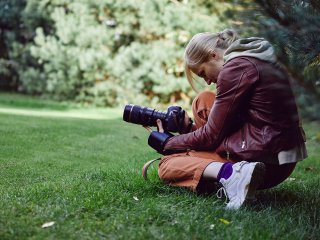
(190, 125)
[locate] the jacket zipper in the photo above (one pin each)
(226, 148)
(243, 143)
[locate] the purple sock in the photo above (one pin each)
(225, 171)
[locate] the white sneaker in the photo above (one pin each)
(244, 180)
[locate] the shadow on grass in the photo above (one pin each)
(304, 202)
(280, 197)
(15, 100)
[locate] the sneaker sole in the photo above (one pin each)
(256, 179)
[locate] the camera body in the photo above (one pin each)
(172, 119)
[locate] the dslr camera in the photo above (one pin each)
(172, 119)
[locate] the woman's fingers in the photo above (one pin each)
(160, 127)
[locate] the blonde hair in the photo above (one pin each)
(201, 46)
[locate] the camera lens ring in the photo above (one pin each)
(132, 105)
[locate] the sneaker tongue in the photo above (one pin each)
(239, 165)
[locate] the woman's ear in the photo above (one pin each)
(213, 56)
(216, 55)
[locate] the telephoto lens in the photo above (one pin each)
(172, 119)
(143, 115)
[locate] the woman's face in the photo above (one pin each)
(210, 70)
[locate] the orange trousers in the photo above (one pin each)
(186, 169)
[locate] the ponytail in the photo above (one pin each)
(226, 38)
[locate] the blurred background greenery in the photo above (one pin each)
(109, 53)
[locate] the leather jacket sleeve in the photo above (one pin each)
(234, 84)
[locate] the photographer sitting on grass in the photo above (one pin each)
(248, 135)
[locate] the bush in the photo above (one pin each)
(109, 53)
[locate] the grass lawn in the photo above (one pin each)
(81, 169)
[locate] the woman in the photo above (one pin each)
(248, 136)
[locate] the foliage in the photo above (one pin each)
(291, 27)
(9, 28)
(111, 52)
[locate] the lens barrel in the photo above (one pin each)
(142, 115)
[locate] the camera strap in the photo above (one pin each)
(146, 166)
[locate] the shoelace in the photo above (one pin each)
(222, 192)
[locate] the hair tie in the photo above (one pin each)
(220, 34)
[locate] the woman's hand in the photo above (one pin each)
(186, 125)
(186, 121)
(160, 127)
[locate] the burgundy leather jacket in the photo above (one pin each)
(254, 114)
